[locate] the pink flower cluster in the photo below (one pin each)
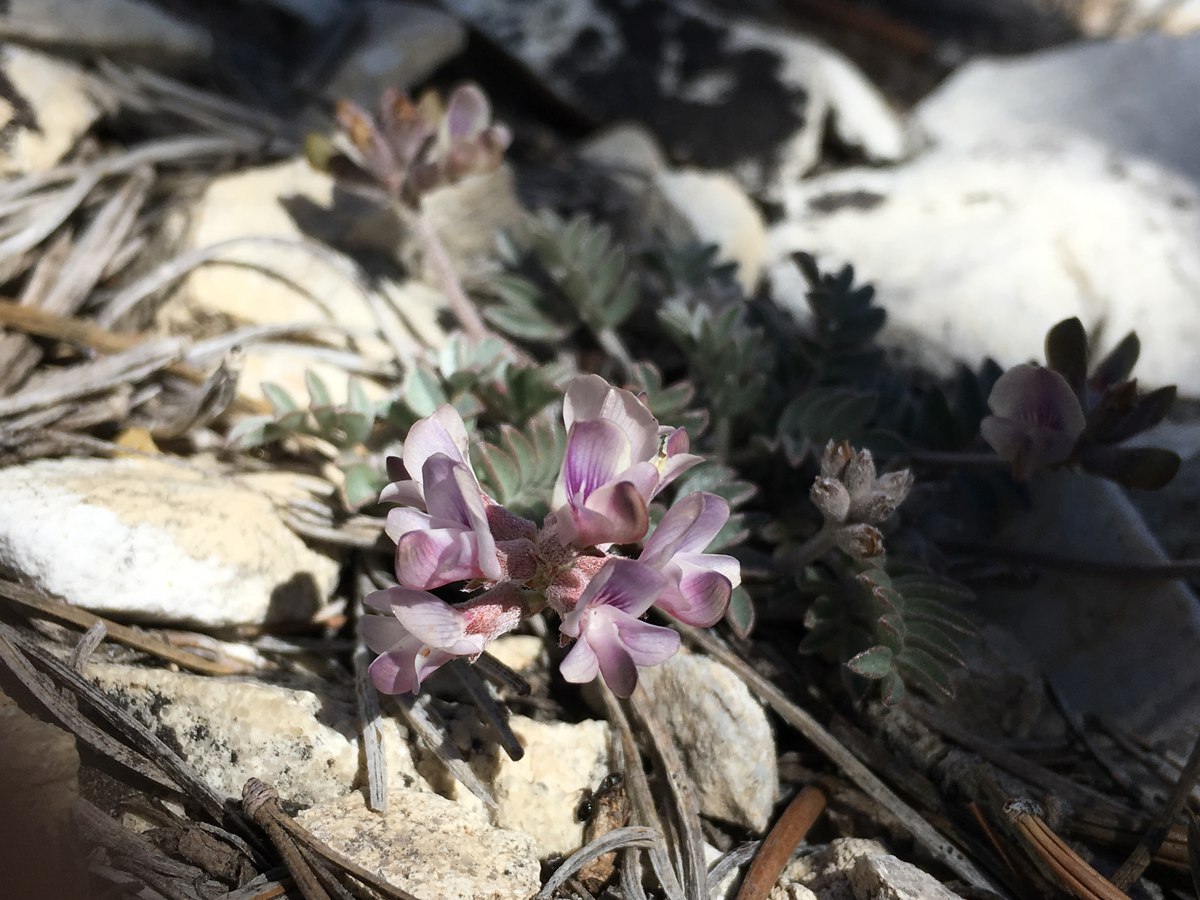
(448, 530)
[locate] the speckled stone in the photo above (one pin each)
(429, 846)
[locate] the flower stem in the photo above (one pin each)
(810, 551)
(460, 304)
(952, 460)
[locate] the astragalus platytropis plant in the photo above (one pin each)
(448, 531)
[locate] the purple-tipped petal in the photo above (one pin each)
(624, 584)
(452, 494)
(617, 668)
(430, 619)
(674, 466)
(646, 644)
(1037, 418)
(615, 514)
(436, 557)
(406, 493)
(688, 527)
(381, 633)
(403, 519)
(597, 450)
(700, 599)
(467, 113)
(590, 397)
(443, 432)
(580, 665)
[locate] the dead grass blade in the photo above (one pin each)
(60, 611)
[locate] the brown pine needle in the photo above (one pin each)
(1073, 873)
(776, 848)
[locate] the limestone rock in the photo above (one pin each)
(259, 283)
(403, 44)
(230, 730)
(539, 794)
(39, 787)
(1131, 96)
(978, 252)
(428, 846)
(723, 736)
(133, 31)
(157, 542)
(721, 93)
(51, 105)
(888, 878)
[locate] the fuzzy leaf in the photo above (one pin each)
(361, 485)
(892, 689)
(249, 432)
(1066, 351)
(520, 469)
(1118, 364)
(874, 662)
(525, 325)
(422, 391)
(279, 399)
(740, 614)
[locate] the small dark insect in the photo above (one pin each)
(602, 810)
(588, 803)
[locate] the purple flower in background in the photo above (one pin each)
(424, 632)
(698, 583)
(610, 638)
(1037, 419)
(615, 462)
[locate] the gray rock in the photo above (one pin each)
(403, 44)
(978, 252)
(429, 846)
(1129, 655)
(230, 730)
(132, 31)
(47, 106)
(157, 542)
(316, 13)
(1133, 96)
(888, 878)
(723, 736)
(826, 872)
(721, 94)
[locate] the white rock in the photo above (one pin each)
(1134, 96)
(157, 542)
(888, 878)
(1182, 19)
(1132, 662)
(719, 212)
(721, 93)
(723, 736)
(39, 789)
(403, 44)
(52, 106)
(428, 846)
(132, 31)
(303, 286)
(520, 652)
(539, 794)
(978, 252)
(229, 730)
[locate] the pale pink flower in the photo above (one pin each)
(698, 584)
(1037, 419)
(610, 638)
(424, 632)
(616, 460)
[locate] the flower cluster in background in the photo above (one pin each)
(447, 531)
